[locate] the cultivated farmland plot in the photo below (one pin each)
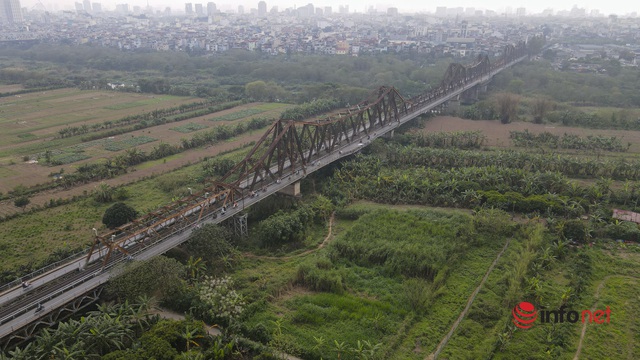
(27, 141)
(187, 128)
(237, 115)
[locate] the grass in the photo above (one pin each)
(374, 305)
(272, 106)
(237, 115)
(42, 114)
(152, 163)
(27, 136)
(429, 330)
(128, 143)
(68, 158)
(4, 171)
(187, 128)
(153, 100)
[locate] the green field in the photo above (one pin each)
(187, 128)
(41, 114)
(237, 115)
(364, 282)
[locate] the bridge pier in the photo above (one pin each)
(240, 226)
(292, 190)
(389, 135)
(453, 105)
(471, 96)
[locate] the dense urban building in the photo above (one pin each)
(10, 11)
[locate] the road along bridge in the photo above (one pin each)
(287, 152)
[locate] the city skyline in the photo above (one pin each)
(500, 6)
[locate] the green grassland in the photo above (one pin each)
(367, 274)
(187, 128)
(156, 99)
(43, 110)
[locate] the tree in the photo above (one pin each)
(540, 108)
(195, 267)
(613, 67)
(103, 193)
(212, 242)
(256, 90)
(159, 276)
(118, 214)
(21, 202)
(507, 106)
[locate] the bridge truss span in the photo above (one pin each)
(285, 154)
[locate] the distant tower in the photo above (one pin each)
(262, 9)
(188, 8)
(240, 9)
(10, 11)
(199, 10)
(86, 4)
(211, 9)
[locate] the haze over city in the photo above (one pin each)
(501, 6)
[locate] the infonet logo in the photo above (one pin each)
(525, 314)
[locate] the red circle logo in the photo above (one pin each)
(524, 314)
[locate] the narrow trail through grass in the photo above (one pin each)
(593, 308)
(445, 340)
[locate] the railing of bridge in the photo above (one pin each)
(43, 270)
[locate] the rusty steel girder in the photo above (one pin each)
(289, 146)
(177, 215)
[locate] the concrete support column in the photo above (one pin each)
(292, 190)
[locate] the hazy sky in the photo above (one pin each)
(606, 7)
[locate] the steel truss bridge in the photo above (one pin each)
(286, 153)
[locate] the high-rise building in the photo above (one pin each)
(86, 4)
(327, 10)
(262, 9)
(199, 10)
(211, 9)
(521, 11)
(188, 8)
(97, 7)
(240, 9)
(10, 11)
(122, 8)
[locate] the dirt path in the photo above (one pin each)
(593, 308)
(445, 340)
(323, 244)
(187, 157)
(167, 314)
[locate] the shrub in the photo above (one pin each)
(319, 280)
(157, 276)
(418, 294)
(118, 214)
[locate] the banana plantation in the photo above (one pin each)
(569, 165)
(568, 141)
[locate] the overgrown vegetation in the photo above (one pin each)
(568, 141)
